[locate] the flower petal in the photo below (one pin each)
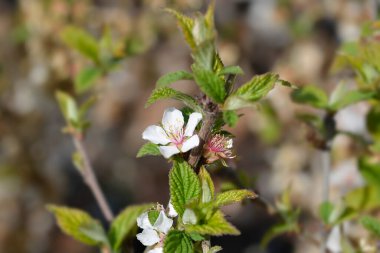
(168, 151)
(156, 135)
(192, 142)
(172, 212)
(148, 237)
(156, 250)
(143, 221)
(192, 123)
(163, 223)
(172, 121)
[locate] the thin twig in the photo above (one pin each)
(325, 191)
(91, 181)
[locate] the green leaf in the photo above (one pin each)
(373, 119)
(186, 25)
(86, 79)
(310, 95)
(148, 149)
(125, 225)
(234, 70)
(325, 210)
(78, 224)
(153, 216)
(82, 41)
(351, 97)
(68, 106)
(96, 232)
(215, 226)
(230, 117)
(215, 249)
(184, 185)
(178, 242)
(370, 170)
(210, 83)
(196, 237)
(233, 196)
(251, 92)
(166, 92)
(277, 230)
(173, 77)
(363, 199)
(371, 224)
(207, 185)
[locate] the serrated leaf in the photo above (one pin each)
(86, 78)
(68, 106)
(233, 196)
(82, 41)
(234, 70)
(210, 83)
(72, 221)
(371, 224)
(125, 224)
(166, 92)
(251, 92)
(208, 188)
(186, 25)
(230, 117)
(325, 210)
(178, 242)
(310, 95)
(184, 185)
(173, 77)
(148, 149)
(215, 226)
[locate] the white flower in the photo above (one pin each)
(153, 235)
(172, 137)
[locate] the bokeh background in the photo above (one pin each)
(295, 38)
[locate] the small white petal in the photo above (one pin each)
(143, 221)
(148, 237)
(156, 135)
(168, 151)
(333, 241)
(172, 211)
(163, 223)
(192, 123)
(172, 121)
(156, 250)
(192, 142)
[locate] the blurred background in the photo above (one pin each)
(295, 38)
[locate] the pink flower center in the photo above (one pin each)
(217, 144)
(177, 137)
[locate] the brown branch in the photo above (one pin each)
(89, 178)
(204, 134)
